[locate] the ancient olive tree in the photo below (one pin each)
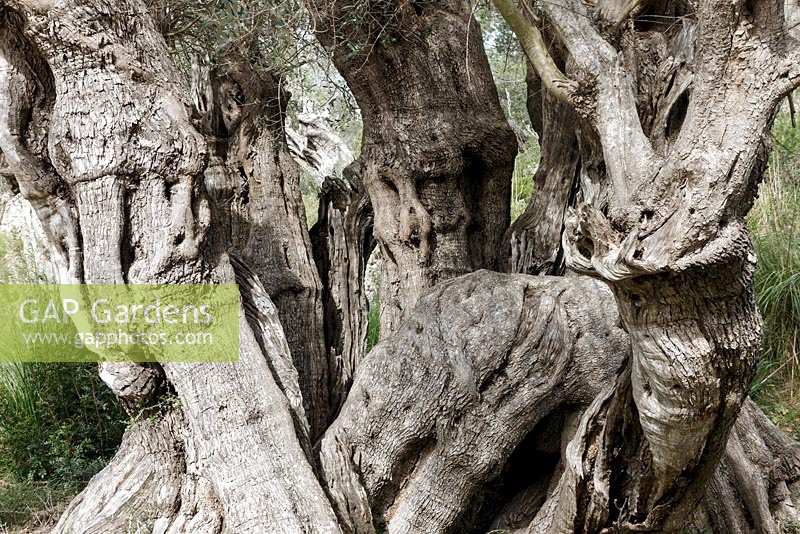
(613, 402)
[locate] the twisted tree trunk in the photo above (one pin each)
(130, 163)
(679, 123)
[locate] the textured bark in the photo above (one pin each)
(343, 241)
(460, 421)
(26, 100)
(437, 409)
(317, 147)
(537, 403)
(755, 488)
(122, 144)
(139, 491)
(437, 153)
(670, 130)
(535, 236)
(256, 192)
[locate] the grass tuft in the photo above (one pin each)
(775, 225)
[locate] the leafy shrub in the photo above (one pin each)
(776, 232)
(57, 421)
(59, 424)
(34, 505)
(775, 225)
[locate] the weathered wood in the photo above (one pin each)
(535, 237)
(343, 241)
(437, 153)
(678, 131)
(488, 373)
(122, 142)
(436, 410)
(255, 188)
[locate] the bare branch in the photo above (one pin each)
(535, 49)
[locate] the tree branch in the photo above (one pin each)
(536, 51)
(26, 90)
(627, 151)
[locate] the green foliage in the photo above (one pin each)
(34, 505)
(508, 66)
(507, 63)
(785, 145)
(522, 182)
(57, 421)
(791, 527)
(775, 225)
(374, 322)
(775, 222)
(59, 424)
(269, 33)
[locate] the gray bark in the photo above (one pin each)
(317, 147)
(535, 236)
(677, 130)
(343, 241)
(437, 409)
(437, 152)
(120, 138)
(544, 404)
(255, 186)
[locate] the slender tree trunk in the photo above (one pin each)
(535, 236)
(342, 242)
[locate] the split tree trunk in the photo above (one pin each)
(343, 241)
(255, 187)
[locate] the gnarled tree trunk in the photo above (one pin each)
(255, 187)
(128, 164)
(662, 223)
(537, 404)
(437, 152)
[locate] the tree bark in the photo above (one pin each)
(256, 193)
(543, 404)
(343, 241)
(122, 145)
(437, 153)
(661, 221)
(535, 236)
(437, 409)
